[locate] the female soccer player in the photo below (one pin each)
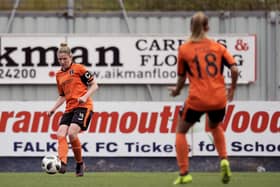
(75, 86)
(202, 60)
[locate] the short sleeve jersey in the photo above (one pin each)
(72, 84)
(203, 63)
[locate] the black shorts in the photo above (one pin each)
(192, 116)
(80, 116)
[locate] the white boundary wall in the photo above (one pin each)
(139, 129)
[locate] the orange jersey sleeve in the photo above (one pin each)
(227, 58)
(181, 69)
(203, 63)
(72, 84)
(59, 87)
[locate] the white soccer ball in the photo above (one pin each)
(261, 169)
(51, 164)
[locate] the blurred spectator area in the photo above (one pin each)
(140, 5)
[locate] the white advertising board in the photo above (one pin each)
(132, 59)
(139, 129)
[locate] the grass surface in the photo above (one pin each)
(135, 179)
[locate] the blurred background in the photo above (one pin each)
(148, 17)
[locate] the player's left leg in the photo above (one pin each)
(73, 131)
(182, 153)
(76, 148)
(80, 122)
(187, 118)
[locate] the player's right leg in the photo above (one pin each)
(214, 120)
(220, 144)
(62, 140)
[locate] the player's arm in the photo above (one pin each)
(92, 88)
(174, 91)
(229, 61)
(181, 76)
(88, 79)
(234, 77)
(60, 100)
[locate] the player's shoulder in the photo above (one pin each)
(58, 73)
(78, 67)
(216, 46)
(215, 43)
(184, 45)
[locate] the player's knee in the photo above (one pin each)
(183, 127)
(72, 135)
(73, 131)
(61, 133)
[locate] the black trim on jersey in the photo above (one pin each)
(187, 68)
(62, 94)
(225, 63)
(87, 77)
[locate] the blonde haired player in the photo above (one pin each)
(202, 61)
(75, 86)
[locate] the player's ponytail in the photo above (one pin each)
(199, 27)
(64, 49)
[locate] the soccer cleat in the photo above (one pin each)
(62, 168)
(80, 168)
(225, 170)
(183, 179)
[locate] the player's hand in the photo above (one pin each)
(173, 91)
(82, 100)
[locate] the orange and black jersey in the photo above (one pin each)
(72, 84)
(203, 63)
